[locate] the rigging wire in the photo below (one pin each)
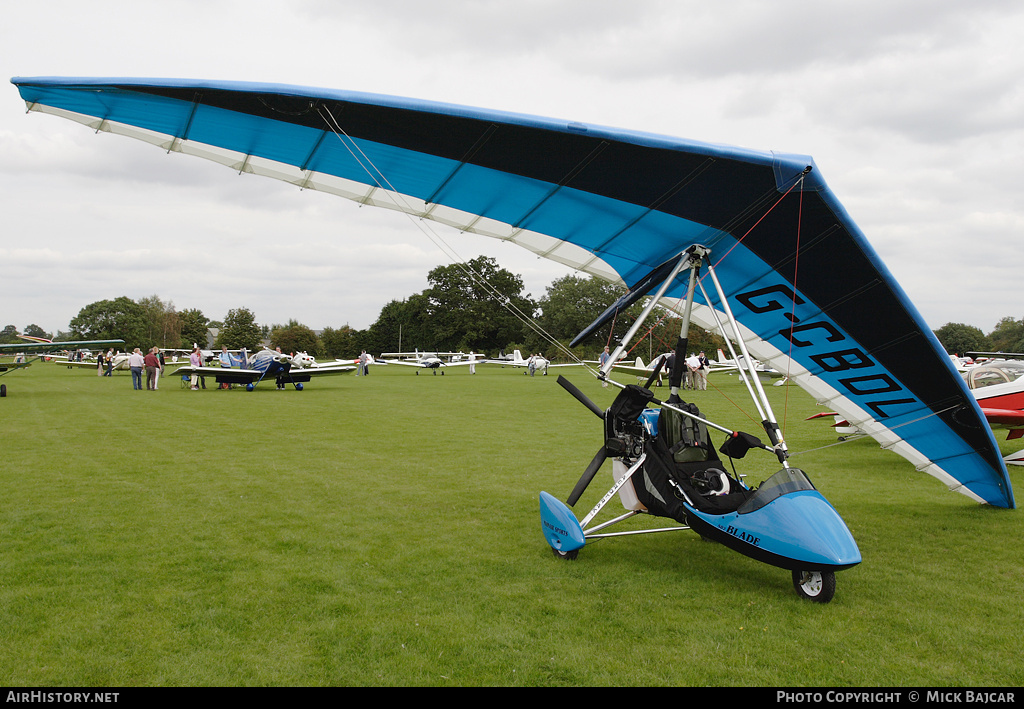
(382, 183)
(849, 439)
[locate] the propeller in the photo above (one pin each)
(602, 454)
(580, 396)
(587, 476)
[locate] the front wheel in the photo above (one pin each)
(566, 555)
(817, 586)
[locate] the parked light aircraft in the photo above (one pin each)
(657, 366)
(662, 364)
(265, 365)
(430, 360)
(42, 348)
(638, 210)
(533, 364)
(119, 362)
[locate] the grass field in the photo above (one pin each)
(383, 530)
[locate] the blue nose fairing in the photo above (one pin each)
(790, 525)
(561, 529)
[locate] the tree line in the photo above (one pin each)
(472, 307)
(958, 338)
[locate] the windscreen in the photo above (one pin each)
(782, 483)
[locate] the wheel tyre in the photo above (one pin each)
(566, 555)
(817, 586)
(3, 390)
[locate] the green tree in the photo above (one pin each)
(9, 335)
(163, 326)
(193, 327)
(120, 318)
(473, 306)
(341, 343)
(239, 330)
(401, 325)
(1008, 336)
(571, 303)
(296, 337)
(958, 338)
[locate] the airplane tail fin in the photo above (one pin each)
(639, 363)
(517, 356)
(721, 356)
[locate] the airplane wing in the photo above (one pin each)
(617, 204)
(42, 348)
(428, 365)
(639, 371)
(47, 347)
(342, 363)
(234, 375)
(81, 365)
(997, 355)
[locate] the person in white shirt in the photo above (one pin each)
(135, 364)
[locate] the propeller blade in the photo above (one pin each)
(580, 396)
(587, 476)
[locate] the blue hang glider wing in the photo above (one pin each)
(813, 298)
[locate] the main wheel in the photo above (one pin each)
(817, 586)
(566, 555)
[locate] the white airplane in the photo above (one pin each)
(662, 364)
(173, 357)
(120, 362)
(266, 364)
(533, 363)
(430, 360)
(416, 354)
(764, 372)
(641, 370)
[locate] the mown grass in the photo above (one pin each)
(384, 531)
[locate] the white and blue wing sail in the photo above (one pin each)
(812, 297)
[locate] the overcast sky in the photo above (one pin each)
(913, 112)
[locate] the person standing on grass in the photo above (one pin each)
(136, 362)
(701, 374)
(196, 360)
(159, 367)
(152, 365)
